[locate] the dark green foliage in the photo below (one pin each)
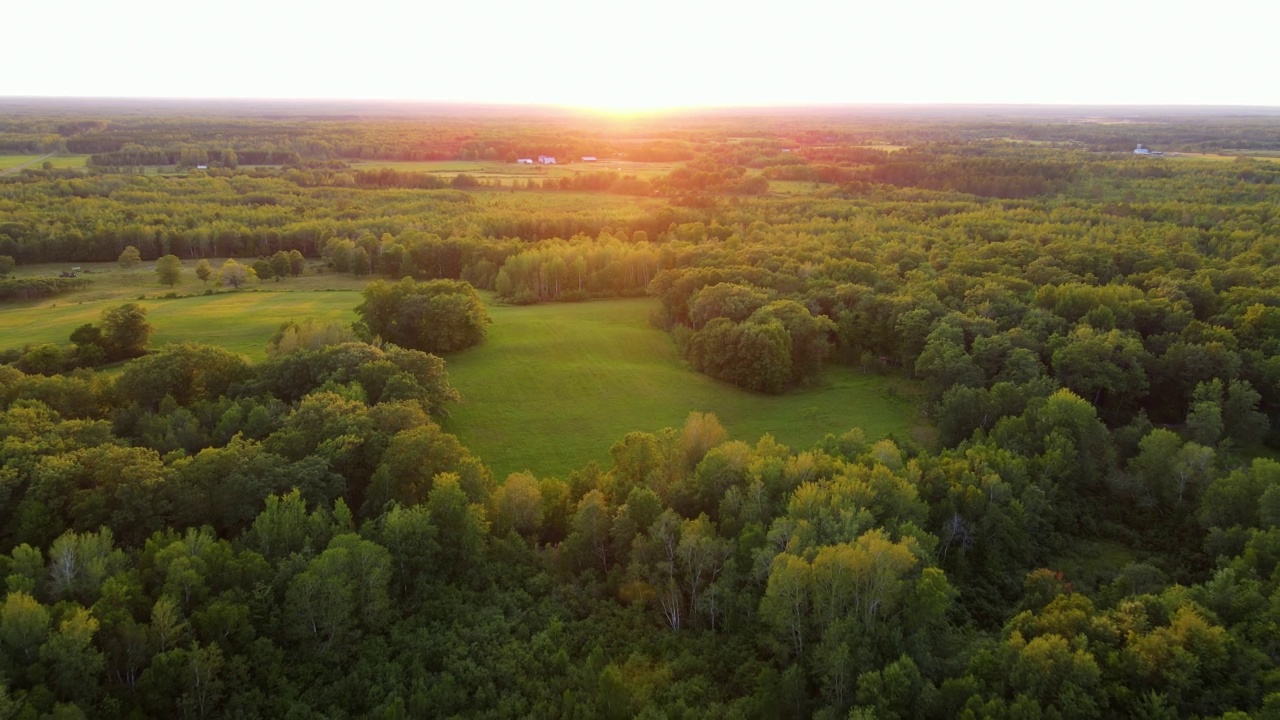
(197, 536)
(778, 345)
(34, 288)
(125, 331)
(184, 373)
(436, 316)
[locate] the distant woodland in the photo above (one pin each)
(1092, 531)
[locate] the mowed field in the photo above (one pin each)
(554, 386)
(59, 161)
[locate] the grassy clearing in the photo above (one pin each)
(69, 161)
(58, 161)
(241, 322)
(12, 161)
(555, 385)
(552, 388)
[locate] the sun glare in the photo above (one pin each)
(629, 102)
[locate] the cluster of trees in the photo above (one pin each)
(579, 268)
(200, 536)
(228, 216)
(36, 287)
(436, 316)
(742, 335)
(121, 333)
(1097, 338)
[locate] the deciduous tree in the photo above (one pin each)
(169, 270)
(129, 258)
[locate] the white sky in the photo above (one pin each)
(626, 54)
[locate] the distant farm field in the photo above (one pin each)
(1228, 155)
(68, 161)
(555, 385)
(59, 161)
(108, 281)
(11, 161)
(504, 170)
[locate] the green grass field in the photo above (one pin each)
(550, 390)
(241, 322)
(68, 161)
(13, 161)
(555, 385)
(59, 161)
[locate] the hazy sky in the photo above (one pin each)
(657, 53)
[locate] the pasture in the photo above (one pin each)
(555, 385)
(240, 321)
(13, 162)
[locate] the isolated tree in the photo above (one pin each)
(129, 258)
(204, 270)
(6, 264)
(125, 331)
(235, 274)
(169, 269)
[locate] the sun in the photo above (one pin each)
(628, 102)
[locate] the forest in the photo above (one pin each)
(1090, 530)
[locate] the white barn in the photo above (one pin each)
(1141, 150)
(546, 160)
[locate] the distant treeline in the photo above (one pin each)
(192, 156)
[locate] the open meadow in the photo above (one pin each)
(555, 385)
(16, 162)
(551, 389)
(240, 321)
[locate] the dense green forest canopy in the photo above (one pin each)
(1096, 334)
